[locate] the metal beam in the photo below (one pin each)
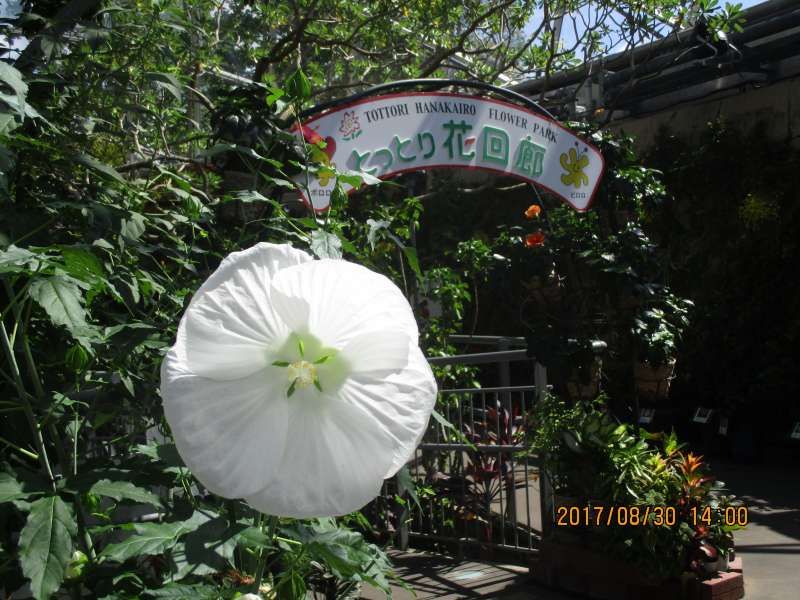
(480, 358)
(487, 340)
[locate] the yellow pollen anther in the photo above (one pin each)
(303, 373)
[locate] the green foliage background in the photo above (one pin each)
(132, 160)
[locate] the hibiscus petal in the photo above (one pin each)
(337, 300)
(400, 403)
(380, 351)
(333, 464)
(230, 325)
(224, 429)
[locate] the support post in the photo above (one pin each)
(545, 488)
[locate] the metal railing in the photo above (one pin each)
(478, 485)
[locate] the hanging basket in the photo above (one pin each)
(652, 383)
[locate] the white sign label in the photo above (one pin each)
(796, 431)
(392, 134)
(646, 415)
(702, 415)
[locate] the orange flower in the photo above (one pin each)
(534, 240)
(692, 462)
(533, 211)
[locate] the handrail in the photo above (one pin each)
(486, 339)
(481, 358)
(506, 389)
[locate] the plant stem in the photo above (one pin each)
(22, 451)
(33, 373)
(23, 396)
(272, 524)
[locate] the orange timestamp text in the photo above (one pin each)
(657, 516)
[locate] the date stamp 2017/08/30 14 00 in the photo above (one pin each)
(638, 516)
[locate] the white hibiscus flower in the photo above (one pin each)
(297, 384)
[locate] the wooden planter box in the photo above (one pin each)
(596, 575)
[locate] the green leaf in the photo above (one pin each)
(275, 94)
(406, 484)
(82, 264)
(356, 178)
(254, 537)
(298, 86)
(346, 553)
(134, 226)
(167, 82)
(164, 454)
(46, 545)
(411, 257)
(148, 539)
(325, 244)
(94, 164)
(62, 300)
(442, 421)
(291, 586)
(338, 196)
(13, 489)
(209, 548)
(374, 228)
(10, 488)
(18, 260)
(13, 79)
(124, 490)
(182, 591)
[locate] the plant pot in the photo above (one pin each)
(580, 389)
(722, 562)
(712, 566)
(544, 293)
(652, 383)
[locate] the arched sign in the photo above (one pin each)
(411, 131)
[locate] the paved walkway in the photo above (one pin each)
(770, 545)
(433, 576)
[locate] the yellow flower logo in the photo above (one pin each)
(574, 167)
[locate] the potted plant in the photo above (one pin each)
(594, 461)
(656, 330)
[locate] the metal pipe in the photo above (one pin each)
(480, 358)
(511, 388)
(485, 340)
(481, 447)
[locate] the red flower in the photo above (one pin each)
(533, 211)
(311, 136)
(534, 240)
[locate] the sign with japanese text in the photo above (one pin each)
(395, 133)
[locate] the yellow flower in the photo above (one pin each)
(574, 166)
